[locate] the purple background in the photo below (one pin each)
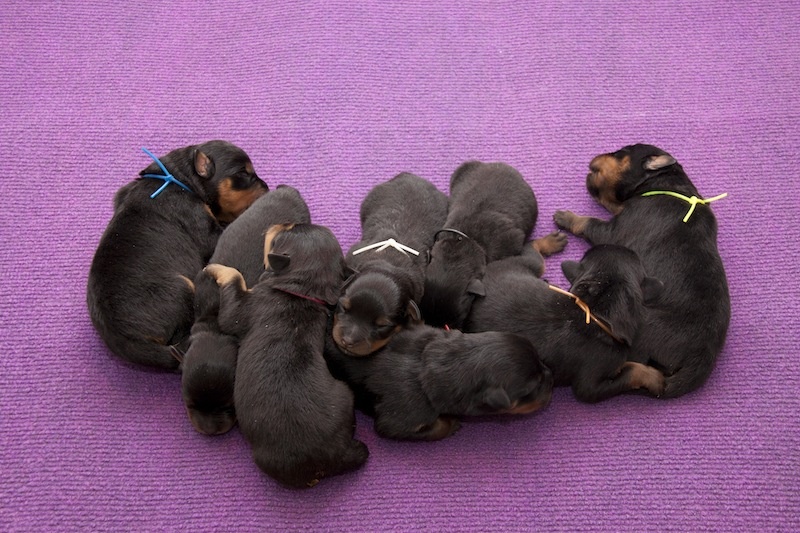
(332, 98)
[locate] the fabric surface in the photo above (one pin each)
(333, 98)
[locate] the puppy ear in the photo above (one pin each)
(476, 288)
(651, 290)
(655, 162)
(203, 164)
(571, 269)
(623, 327)
(497, 399)
(278, 262)
(413, 312)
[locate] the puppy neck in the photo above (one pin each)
(167, 177)
(585, 308)
(303, 296)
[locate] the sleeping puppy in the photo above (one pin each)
(162, 233)
(426, 377)
(208, 368)
(209, 365)
(676, 239)
(297, 417)
(241, 245)
(491, 213)
(592, 352)
(382, 296)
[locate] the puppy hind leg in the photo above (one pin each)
(630, 377)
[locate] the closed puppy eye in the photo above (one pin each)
(383, 322)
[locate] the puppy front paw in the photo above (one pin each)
(569, 221)
(225, 275)
(551, 244)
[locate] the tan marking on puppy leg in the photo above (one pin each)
(233, 202)
(551, 244)
(189, 282)
(269, 237)
(643, 376)
(225, 275)
(571, 222)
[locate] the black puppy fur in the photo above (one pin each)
(140, 286)
(209, 365)
(384, 293)
(597, 363)
(297, 417)
(686, 331)
(241, 245)
(493, 210)
(426, 377)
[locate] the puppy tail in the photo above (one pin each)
(686, 379)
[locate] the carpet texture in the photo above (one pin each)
(333, 98)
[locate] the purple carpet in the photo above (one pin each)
(332, 98)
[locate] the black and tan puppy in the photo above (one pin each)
(592, 352)
(657, 214)
(162, 233)
(492, 211)
(241, 245)
(297, 417)
(208, 368)
(398, 221)
(426, 377)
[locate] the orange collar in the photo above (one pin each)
(585, 308)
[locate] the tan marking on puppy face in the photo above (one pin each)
(189, 282)
(233, 202)
(225, 275)
(606, 171)
(269, 237)
(361, 348)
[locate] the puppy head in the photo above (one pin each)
(372, 309)
(209, 368)
(614, 177)
(612, 282)
(452, 280)
(513, 378)
(305, 258)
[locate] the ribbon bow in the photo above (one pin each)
(691, 200)
(388, 243)
(167, 177)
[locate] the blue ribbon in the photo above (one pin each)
(167, 177)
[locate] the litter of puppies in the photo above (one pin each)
(437, 313)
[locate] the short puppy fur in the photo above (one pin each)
(208, 368)
(597, 363)
(418, 385)
(139, 292)
(298, 419)
(687, 329)
(384, 293)
(492, 210)
(241, 245)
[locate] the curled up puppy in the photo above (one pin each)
(398, 220)
(425, 378)
(163, 231)
(298, 419)
(492, 211)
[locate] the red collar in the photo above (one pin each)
(303, 296)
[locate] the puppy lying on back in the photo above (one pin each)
(657, 214)
(383, 295)
(425, 377)
(162, 233)
(297, 417)
(491, 213)
(241, 245)
(595, 358)
(209, 365)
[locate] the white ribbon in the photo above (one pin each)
(381, 246)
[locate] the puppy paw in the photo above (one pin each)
(565, 220)
(646, 377)
(225, 275)
(551, 244)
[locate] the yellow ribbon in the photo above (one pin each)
(691, 200)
